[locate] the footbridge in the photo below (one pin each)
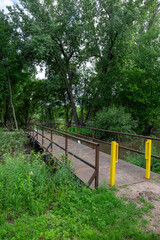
(90, 163)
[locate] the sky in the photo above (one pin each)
(3, 4)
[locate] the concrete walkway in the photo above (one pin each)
(126, 173)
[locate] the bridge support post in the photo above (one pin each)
(114, 160)
(148, 146)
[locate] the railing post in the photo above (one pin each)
(42, 134)
(97, 166)
(51, 140)
(148, 146)
(33, 130)
(93, 133)
(114, 160)
(37, 132)
(66, 146)
(118, 138)
(77, 129)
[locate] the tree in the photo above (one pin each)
(52, 31)
(140, 83)
(8, 57)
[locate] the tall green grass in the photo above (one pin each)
(11, 142)
(25, 184)
(37, 204)
(140, 161)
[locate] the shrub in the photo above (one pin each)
(114, 119)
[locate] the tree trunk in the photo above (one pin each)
(82, 104)
(75, 116)
(6, 114)
(11, 99)
(89, 113)
(82, 119)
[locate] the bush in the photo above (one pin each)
(114, 119)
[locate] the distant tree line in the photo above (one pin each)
(98, 54)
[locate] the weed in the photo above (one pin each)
(140, 161)
(35, 204)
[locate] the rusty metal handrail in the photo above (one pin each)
(107, 131)
(95, 174)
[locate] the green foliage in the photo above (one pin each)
(140, 161)
(80, 213)
(114, 119)
(82, 131)
(11, 142)
(25, 185)
(37, 204)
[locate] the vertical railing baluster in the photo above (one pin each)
(33, 130)
(118, 140)
(93, 134)
(51, 140)
(66, 145)
(42, 135)
(97, 165)
(37, 132)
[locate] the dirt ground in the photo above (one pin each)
(150, 192)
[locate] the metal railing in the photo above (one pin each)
(34, 131)
(93, 138)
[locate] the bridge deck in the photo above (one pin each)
(126, 173)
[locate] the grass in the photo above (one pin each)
(140, 161)
(37, 204)
(82, 131)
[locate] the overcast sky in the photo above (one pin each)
(4, 3)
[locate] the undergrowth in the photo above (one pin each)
(140, 161)
(11, 142)
(37, 204)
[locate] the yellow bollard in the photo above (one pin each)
(148, 146)
(114, 160)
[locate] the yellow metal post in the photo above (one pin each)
(148, 146)
(114, 160)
